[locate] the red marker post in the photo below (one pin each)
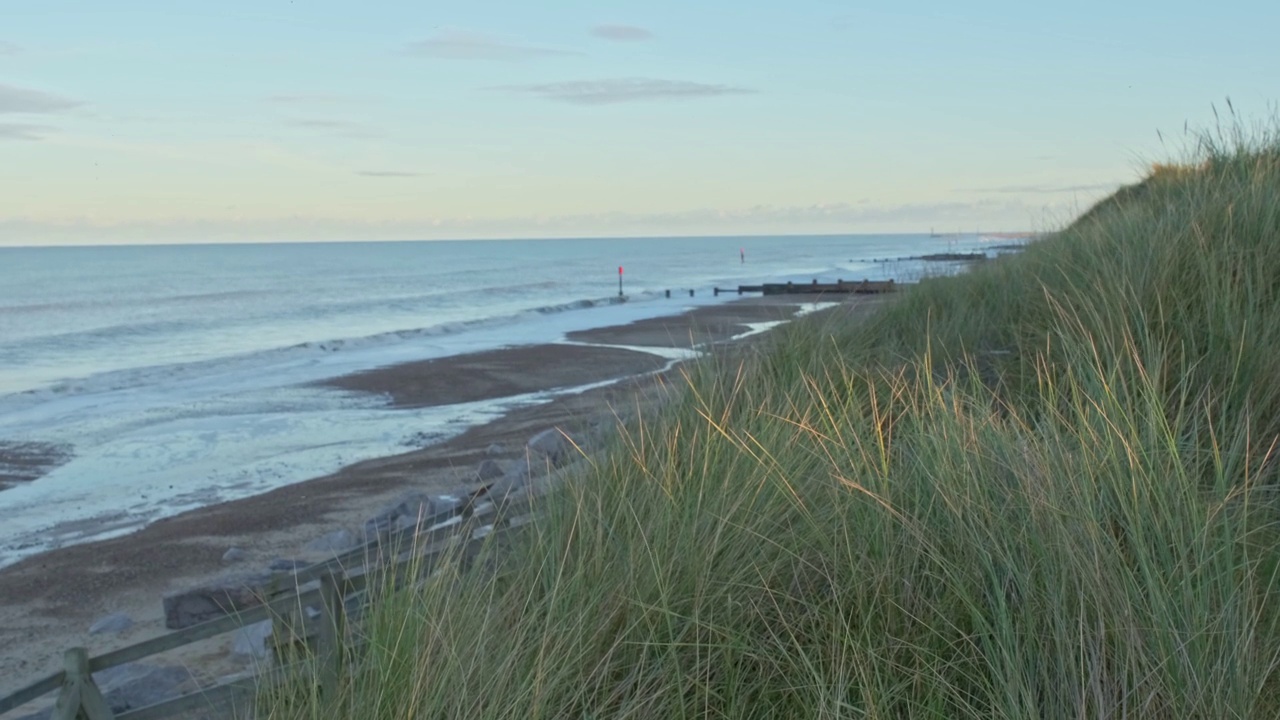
(619, 281)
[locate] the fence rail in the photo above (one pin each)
(396, 558)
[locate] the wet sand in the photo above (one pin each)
(22, 462)
(505, 372)
(48, 601)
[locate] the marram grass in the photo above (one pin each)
(1045, 489)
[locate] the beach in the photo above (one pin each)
(51, 599)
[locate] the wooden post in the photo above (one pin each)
(80, 699)
(332, 634)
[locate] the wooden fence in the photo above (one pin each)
(394, 559)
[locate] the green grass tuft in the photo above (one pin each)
(1046, 488)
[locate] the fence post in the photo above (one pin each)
(332, 633)
(80, 697)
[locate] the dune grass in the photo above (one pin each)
(1044, 489)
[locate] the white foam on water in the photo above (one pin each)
(195, 439)
(154, 440)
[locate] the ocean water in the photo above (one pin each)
(145, 381)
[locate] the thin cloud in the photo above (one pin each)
(23, 131)
(459, 45)
(21, 100)
(624, 90)
(1045, 189)
(8, 48)
(621, 33)
(388, 173)
(302, 99)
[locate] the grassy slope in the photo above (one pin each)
(1044, 489)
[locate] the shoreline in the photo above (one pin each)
(246, 430)
(50, 599)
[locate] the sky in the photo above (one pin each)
(288, 120)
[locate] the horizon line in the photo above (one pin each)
(1002, 234)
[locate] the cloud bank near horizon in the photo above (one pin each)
(818, 218)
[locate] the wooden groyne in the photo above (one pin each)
(839, 287)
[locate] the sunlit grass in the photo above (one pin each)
(1043, 489)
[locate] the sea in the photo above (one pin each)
(138, 382)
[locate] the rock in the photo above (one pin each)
(546, 484)
(514, 480)
(113, 623)
(494, 450)
(283, 565)
(554, 444)
(250, 641)
(234, 554)
(489, 469)
(223, 596)
(133, 686)
(137, 685)
(519, 473)
(337, 541)
(409, 511)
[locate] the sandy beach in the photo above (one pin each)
(48, 601)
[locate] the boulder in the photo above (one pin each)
(283, 565)
(137, 685)
(494, 450)
(251, 641)
(555, 445)
(133, 686)
(113, 623)
(513, 480)
(218, 598)
(489, 469)
(408, 511)
(336, 541)
(519, 473)
(234, 554)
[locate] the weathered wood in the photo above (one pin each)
(345, 603)
(398, 538)
(40, 687)
(421, 564)
(357, 598)
(232, 693)
(80, 698)
(333, 632)
(841, 287)
(214, 697)
(202, 631)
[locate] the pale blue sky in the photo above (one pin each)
(131, 121)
